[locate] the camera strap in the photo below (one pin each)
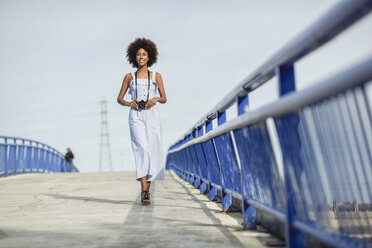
(148, 86)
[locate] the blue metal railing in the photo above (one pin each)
(304, 160)
(18, 156)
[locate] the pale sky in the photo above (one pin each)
(60, 58)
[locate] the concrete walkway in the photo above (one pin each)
(104, 210)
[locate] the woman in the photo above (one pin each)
(144, 121)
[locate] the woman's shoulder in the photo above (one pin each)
(157, 75)
(129, 75)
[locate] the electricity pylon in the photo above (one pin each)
(105, 141)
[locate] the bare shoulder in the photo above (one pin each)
(128, 76)
(158, 76)
(125, 85)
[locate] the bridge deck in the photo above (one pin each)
(104, 210)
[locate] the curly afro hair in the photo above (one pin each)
(146, 44)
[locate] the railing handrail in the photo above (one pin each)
(31, 143)
(16, 163)
(354, 76)
(326, 28)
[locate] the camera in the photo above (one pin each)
(142, 104)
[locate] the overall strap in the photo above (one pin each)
(153, 75)
(133, 75)
(148, 84)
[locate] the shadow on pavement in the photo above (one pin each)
(92, 199)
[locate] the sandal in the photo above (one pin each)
(148, 197)
(145, 197)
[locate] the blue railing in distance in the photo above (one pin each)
(18, 156)
(304, 160)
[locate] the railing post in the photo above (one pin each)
(25, 150)
(186, 165)
(45, 158)
(39, 157)
(32, 157)
(50, 163)
(200, 130)
(208, 126)
(6, 154)
(212, 190)
(221, 118)
(183, 167)
(64, 166)
(203, 185)
(286, 79)
(197, 182)
(197, 168)
(242, 103)
(15, 157)
(294, 238)
(188, 176)
(226, 198)
(248, 211)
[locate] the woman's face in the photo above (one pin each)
(142, 57)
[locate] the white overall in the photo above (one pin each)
(145, 132)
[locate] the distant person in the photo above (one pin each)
(144, 120)
(69, 157)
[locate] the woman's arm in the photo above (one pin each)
(163, 97)
(123, 90)
(159, 80)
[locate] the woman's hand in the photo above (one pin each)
(133, 104)
(151, 102)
